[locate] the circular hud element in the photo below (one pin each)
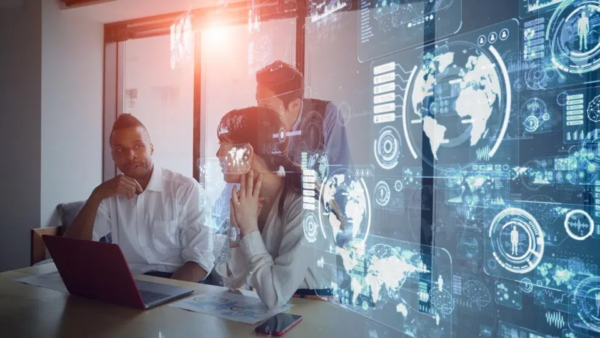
(517, 240)
(387, 148)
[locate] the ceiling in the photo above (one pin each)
(120, 10)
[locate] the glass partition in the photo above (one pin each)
(162, 97)
(468, 200)
(230, 57)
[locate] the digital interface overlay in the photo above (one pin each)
(471, 207)
(388, 26)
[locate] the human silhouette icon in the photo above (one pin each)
(583, 29)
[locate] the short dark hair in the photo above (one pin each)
(125, 121)
(285, 81)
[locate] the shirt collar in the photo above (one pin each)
(156, 181)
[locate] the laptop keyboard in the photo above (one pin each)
(150, 297)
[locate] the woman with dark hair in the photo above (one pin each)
(273, 255)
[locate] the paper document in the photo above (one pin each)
(231, 306)
(48, 281)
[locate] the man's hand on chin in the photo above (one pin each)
(190, 272)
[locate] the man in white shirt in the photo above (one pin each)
(158, 217)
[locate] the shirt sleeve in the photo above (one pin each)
(236, 263)
(196, 235)
(102, 222)
(276, 280)
(336, 139)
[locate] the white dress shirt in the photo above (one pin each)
(163, 227)
(279, 260)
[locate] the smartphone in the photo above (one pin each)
(279, 324)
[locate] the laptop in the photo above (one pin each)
(99, 271)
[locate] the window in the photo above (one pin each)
(230, 58)
(162, 98)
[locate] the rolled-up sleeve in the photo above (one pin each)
(234, 271)
(102, 221)
(196, 233)
(277, 279)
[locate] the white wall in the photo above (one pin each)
(71, 119)
(228, 75)
(165, 100)
(20, 72)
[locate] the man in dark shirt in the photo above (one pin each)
(312, 124)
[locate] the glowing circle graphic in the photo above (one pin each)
(460, 101)
(310, 226)
(534, 111)
(387, 148)
(344, 113)
(398, 186)
(579, 225)
(344, 203)
(586, 298)
(311, 129)
(532, 123)
(539, 76)
(382, 193)
(572, 36)
(517, 240)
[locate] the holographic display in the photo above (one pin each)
(237, 160)
(585, 305)
(516, 240)
(529, 7)
(397, 284)
(388, 26)
(471, 206)
(345, 205)
(456, 93)
(562, 47)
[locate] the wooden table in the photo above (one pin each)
(29, 311)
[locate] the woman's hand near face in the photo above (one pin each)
(233, 243)
(246, 204)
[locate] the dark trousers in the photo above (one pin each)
(159, 274)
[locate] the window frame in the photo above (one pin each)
(116, 34)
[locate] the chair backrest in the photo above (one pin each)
(67, 213)
(38, 248)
